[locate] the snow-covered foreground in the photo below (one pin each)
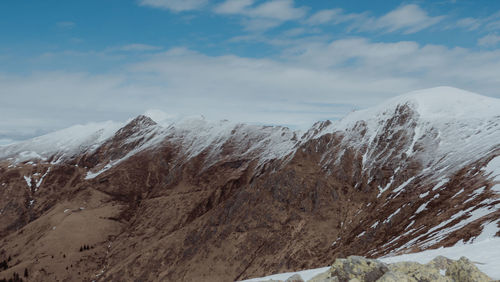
(485, 254)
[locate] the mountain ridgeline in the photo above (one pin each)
(221, 201)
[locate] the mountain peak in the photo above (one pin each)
(65, 141)
(141, 121)
(447, 101)
(135, 126)
(432, 104)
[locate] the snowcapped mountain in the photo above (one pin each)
(222, 201)
(64, 143)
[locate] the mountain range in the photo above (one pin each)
(195, 200)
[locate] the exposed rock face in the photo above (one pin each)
(200, 201)
(417, 272)
(464, 270)
(441, 269)
(355, 267)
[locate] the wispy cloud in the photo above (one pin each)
(263, 16)
(406, 19)
(175, 5)
(66, 25)
(138, 47)
(468, 23)
(354, 72)
(489, 23)
(308, 72)
(233, 6)
(326, 16)
(489, 40)
(283, 10)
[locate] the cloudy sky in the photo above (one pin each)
(287, 62)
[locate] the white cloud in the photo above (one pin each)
(139, 47)
(493, 25)
(160, 116)
(312, 80)
(492, 22)
(297, 32)
(325, 16)
(468, 23)
(233, 6)
(263, 16)
(259, 24)
(175, 5)
(283, 10)
(489, 40)
(408, 19)
(66, 25)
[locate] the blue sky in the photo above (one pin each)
(285, 62)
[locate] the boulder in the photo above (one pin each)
(295, 278)
(355, 267)
(419, 272)
(394, 277)
(464, 270)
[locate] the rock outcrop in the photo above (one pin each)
(359, 269)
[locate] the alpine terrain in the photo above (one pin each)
(195, 200)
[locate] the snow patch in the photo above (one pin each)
(458, 193)
(28, 180)
(92, 175)
(473, 214)
(422, 207)
(440, 184)
(305, 274)
(400, 187)
(39, 182)
(490, 229)
(493, 168)
(423, 195)
(390, 216)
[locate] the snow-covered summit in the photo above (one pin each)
(67, 141)
(263, 142)
(450, 114)
(449, 102)
(441, 128)
(433, 104)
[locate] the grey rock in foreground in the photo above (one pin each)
(440, 269)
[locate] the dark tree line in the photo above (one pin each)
(85, 248)
(5, 263)
(15, 277)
